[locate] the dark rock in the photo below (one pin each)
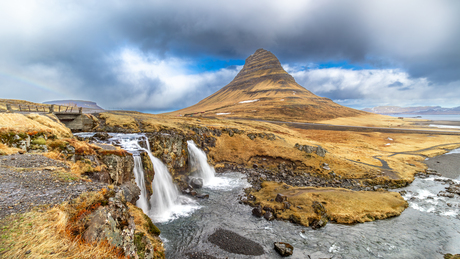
(268, 208)
(130, 192)
(286, 205)
(196, 183)
(251, 136)
(280, 197)
(257, 211)
(284, 249)
(319, 223)
(255, 166)
(269, 216)
(203, 196)
(234, 243)
(322, 213)
(102, 136)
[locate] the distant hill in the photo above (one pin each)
(76, 103)
(264, 90)
(420, 110)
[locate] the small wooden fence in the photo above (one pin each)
(9, 107)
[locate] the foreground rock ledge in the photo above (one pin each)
(310, 206)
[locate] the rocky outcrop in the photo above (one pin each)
(311, 149)
(108, 217)
(171, 149)
(27, 141)
(170, 146)
(119, 168)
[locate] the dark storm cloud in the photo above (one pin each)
(81, 41)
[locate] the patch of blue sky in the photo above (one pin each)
(345, 64)
(211, 64)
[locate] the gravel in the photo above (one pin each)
(447, 165)
(31, 180)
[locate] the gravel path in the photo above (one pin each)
(31, 180)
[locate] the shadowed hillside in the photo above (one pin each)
(264, 90)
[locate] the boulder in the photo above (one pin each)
(284, 249)
(101, 136)
(269, 216)
(129, 192)
(196, 183)
(321, 151)
(257, 211)
(280, 198)
(203, 196)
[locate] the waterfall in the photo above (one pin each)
(138, 170)
(199, 160)
(166, 203)
(165, 193)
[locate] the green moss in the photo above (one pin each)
(59, 144)
(140, 245)
(151, 227)
(39, 141)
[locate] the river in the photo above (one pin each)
(429, 228)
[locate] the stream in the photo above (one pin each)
(429, 228)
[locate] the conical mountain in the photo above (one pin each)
(264, 90)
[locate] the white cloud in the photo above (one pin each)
(153, 83)
(372, 87)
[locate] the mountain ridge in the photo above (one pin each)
(264, 90)
(418, 110)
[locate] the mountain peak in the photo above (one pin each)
(264, 90)
(260, 66)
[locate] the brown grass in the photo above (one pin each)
(32, 122)
(342, 205)
(45, 235)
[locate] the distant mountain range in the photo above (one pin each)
(420, 110)
(76, 103)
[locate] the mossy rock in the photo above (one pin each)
(39, 141)
(58, 144)
(151, 227)
(139, 243)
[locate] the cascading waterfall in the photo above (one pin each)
(166, 202)
(143, 202)
(199, 160)
(165, 194)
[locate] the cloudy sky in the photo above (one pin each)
(166, 55)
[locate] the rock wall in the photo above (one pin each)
(171, 146)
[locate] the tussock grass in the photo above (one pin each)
(5, 150)
(342, 205)
(45, 235)
(32, 122)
